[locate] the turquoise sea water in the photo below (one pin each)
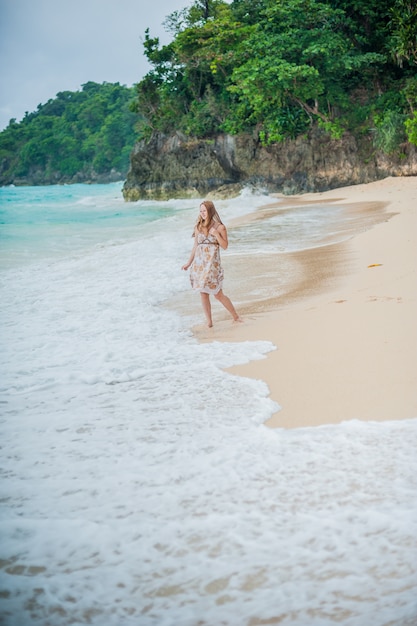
(139, 485)
(63, 219)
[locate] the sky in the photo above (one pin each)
(47, 46)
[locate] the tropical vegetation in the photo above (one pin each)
(83, 134)
(282, 66)
(277, 68)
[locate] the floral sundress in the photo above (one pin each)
(206, 272)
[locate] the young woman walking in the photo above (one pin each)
(206, 272)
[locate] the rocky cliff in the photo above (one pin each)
(178, 166)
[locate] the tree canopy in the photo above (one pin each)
(281, 66)
(85, 132)
(273, 67)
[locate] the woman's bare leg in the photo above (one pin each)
(227, 303)
(205, 301)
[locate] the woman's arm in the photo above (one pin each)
(191, 259)
(221, 235)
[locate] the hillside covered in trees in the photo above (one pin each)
(274, 70)
(79, 136)
(283, 66)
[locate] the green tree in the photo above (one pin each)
(403, 25)
(280, 66)
(76, 133)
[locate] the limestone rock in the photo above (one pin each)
(178, 166)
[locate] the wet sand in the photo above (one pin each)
(345, 329)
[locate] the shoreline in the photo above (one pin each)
(346, 337)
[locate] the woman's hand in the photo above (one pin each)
(186, 266)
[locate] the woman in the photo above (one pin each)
(206, 273)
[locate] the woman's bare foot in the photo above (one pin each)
(237, 320)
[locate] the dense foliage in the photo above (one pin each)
(84, 133)
(281, 66)
(277, 67)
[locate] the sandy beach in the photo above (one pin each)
(346, 335)
(139, 482)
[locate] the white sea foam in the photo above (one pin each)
(139, 485)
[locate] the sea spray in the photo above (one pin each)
(139, 484)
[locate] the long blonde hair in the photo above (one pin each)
(212, 215)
